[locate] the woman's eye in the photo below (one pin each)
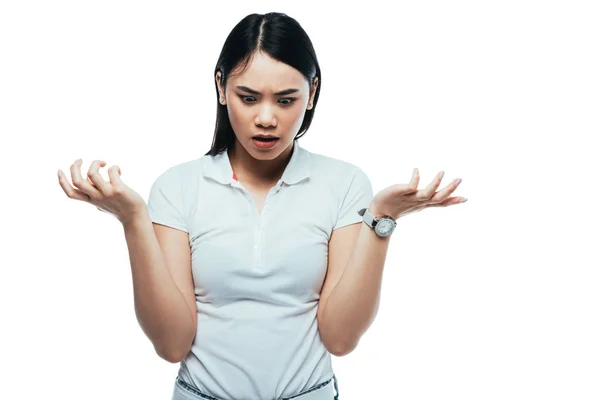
(285, 102)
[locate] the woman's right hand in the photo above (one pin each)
(113, 197)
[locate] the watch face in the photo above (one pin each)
(385, 227)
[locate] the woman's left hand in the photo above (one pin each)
(402, 199)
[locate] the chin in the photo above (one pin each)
(270, 154)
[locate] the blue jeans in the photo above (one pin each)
(321, 391)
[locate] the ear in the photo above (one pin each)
(313, 90)
(222, 98)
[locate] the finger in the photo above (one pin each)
(414, 182)
(425, 194)
(69, 190)
(80, 183)
(104, 181)
(99, 182)
(430, 190)
(447, 191)
(409, 188)
(114, 174)
(447, 202)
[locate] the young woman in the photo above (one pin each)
(237, 254)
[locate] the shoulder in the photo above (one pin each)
(333, 164)
(175, 186)
(335, 169)
(181, 173)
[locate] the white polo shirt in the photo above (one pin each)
(258, 277)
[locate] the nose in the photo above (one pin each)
(266, 116)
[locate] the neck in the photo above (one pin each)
(262, 173)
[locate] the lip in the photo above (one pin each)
(265, 137)
(265, 145)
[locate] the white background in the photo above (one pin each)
(497, 298)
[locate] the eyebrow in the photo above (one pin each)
(283, 92)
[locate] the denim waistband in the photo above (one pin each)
(193, 392)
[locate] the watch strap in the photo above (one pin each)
(368, 218)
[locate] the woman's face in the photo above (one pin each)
(255, 106)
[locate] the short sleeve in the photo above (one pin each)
(165, 201)
(358, 194)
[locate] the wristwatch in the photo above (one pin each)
(383, 226)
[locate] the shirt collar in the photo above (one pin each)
(219, 167)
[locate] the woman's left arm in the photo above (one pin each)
(353, 304)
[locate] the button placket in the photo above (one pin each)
(257, 244)
(258, 248)
(257, 237)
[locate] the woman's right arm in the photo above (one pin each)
(164, 298)
(163, 288)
